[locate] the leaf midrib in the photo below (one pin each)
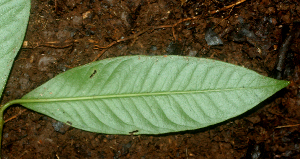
(42, 100)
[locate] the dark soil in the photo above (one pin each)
(63, 34)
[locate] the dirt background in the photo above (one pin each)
(65, 34)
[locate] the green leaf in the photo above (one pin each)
(14, 16)
(151, 94)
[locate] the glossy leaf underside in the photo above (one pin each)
(151, 94)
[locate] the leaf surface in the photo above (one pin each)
(151, 94)
(14, 16)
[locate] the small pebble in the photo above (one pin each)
(58, 126)
(212, 38)
(5, 135)
(77, 20)
(44, 63)
(192, 53)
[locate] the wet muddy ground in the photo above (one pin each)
(65, 34)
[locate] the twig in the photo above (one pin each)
(132, 36)
(286, 126)
(52, 44)
(57, 45)
(105, 48)
(283, 51)
(66, 44)
(227, 7)
(285, 118)
(13, 117)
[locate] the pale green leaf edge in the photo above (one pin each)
(14, 15)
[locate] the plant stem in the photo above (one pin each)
(2, 109)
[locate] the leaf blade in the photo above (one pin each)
(152, 94)
(13, 22)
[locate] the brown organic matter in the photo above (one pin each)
(65, 34)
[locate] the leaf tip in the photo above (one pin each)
(286, 83)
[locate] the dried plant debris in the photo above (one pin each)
(256, 35)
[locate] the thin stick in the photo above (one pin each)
(55, 44)
(13, 117)
(227, 7)
(286, 126)
(105, 48)
(67, 43)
